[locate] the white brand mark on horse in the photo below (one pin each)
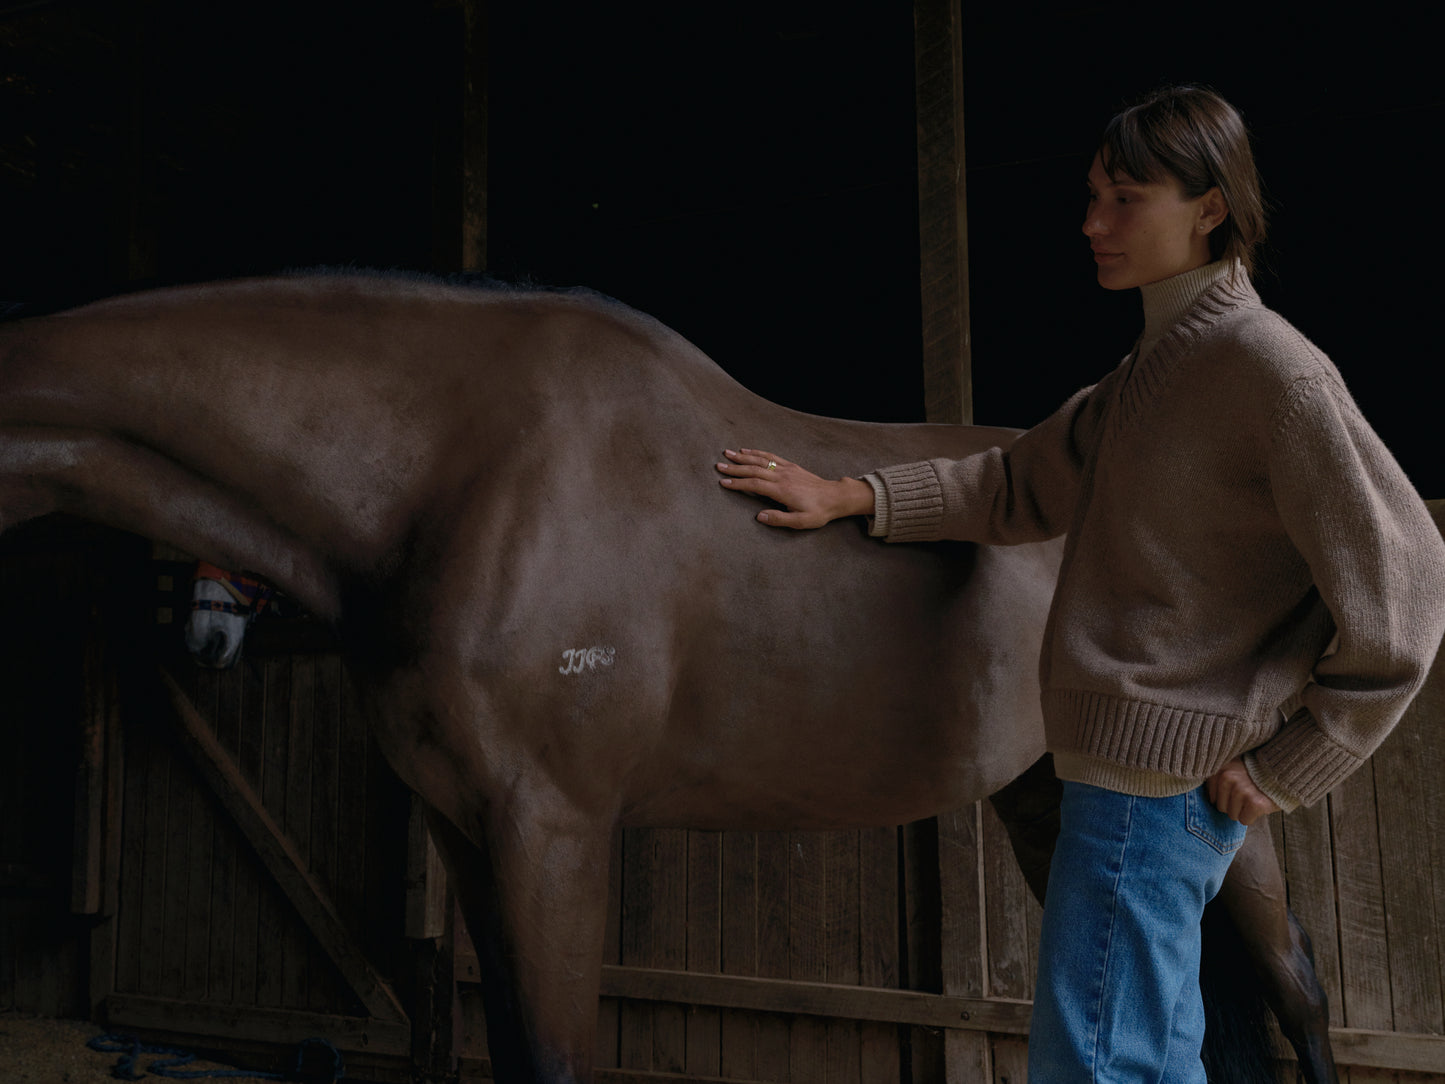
(586, 658)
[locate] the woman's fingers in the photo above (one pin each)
(760, 472)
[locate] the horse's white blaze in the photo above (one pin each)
(214, 637)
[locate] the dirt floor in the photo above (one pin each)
(39, 1051)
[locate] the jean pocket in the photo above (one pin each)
(1219, 830)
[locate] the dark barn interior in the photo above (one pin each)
(750, 175)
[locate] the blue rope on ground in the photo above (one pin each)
(317, 1061)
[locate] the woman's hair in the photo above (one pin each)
(1195, 136)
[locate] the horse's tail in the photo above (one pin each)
(1238, 1045)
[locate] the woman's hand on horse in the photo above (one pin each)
(807, 500)
(1233, 792)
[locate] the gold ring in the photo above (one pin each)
(772, 465)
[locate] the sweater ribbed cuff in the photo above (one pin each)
(908, 503)
(1286, 802)
(1301, 763)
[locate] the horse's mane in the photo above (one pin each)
(11, 310)
(471, 280)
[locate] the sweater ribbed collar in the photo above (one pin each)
(1166, 301)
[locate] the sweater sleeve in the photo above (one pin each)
(1378, 562)
(1002, 496)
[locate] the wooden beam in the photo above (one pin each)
(1388, 1050)
(273, 1027)
(280, 858)
(942, 211)
(459, 118)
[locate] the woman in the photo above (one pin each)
(1239, 540)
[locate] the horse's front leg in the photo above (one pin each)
(1253, 896)
(531, 878)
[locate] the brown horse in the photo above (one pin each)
(505, 503)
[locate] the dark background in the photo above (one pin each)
(745, 172)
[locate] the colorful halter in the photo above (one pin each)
(249, 594)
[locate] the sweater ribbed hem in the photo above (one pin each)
(1139, 736)
(907, 503)
(1120, 778)
(1304, 754)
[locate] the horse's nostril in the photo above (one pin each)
(217, 652)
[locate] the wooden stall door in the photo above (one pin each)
(262, 843)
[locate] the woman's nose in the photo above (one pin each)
(1094, 224)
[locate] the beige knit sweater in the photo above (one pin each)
(1229, 513)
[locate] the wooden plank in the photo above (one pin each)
(807, 959)
(174, 902)
(773, 885)
(475, 149)
(607, 1008)
(425, 878)
(299, 711)
(274, 920)
(923, 958)
(281, 861)
(942, 211)
(963, 934)
(1389, 1050)
(818, 999)
(1406, 841)
(88, 847)
(152, 866)
(1308, 859)
(669, 944)
(326, 855)
(196, 915)
(842, 940)
(1011, 913)
(703, 1053)
(1010, 1060)
(738, 1032)
(1360, 900)
(103, 938)
(246, 1022)
(249, 691)
(354, 835)
(879, 965)
(638, 912)
(129, 914)
(459, 44)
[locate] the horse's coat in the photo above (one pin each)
(505, 503)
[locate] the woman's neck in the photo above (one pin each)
(1167, 300)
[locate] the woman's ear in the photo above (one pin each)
(1212, 210)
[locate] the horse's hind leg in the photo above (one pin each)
(533, 888)
(1253, 896)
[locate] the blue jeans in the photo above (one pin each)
(1118, 997)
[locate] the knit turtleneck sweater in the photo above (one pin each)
(1229, 513)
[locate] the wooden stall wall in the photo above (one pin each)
(260, 896)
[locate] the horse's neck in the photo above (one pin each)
(183, 441)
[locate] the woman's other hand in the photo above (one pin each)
(1234, 794)
(807, 500)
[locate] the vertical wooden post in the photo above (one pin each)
(459, 187)
(948, 398)
(942, 217)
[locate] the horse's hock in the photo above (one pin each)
(240, 880)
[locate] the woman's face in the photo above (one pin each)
(1142, 233)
